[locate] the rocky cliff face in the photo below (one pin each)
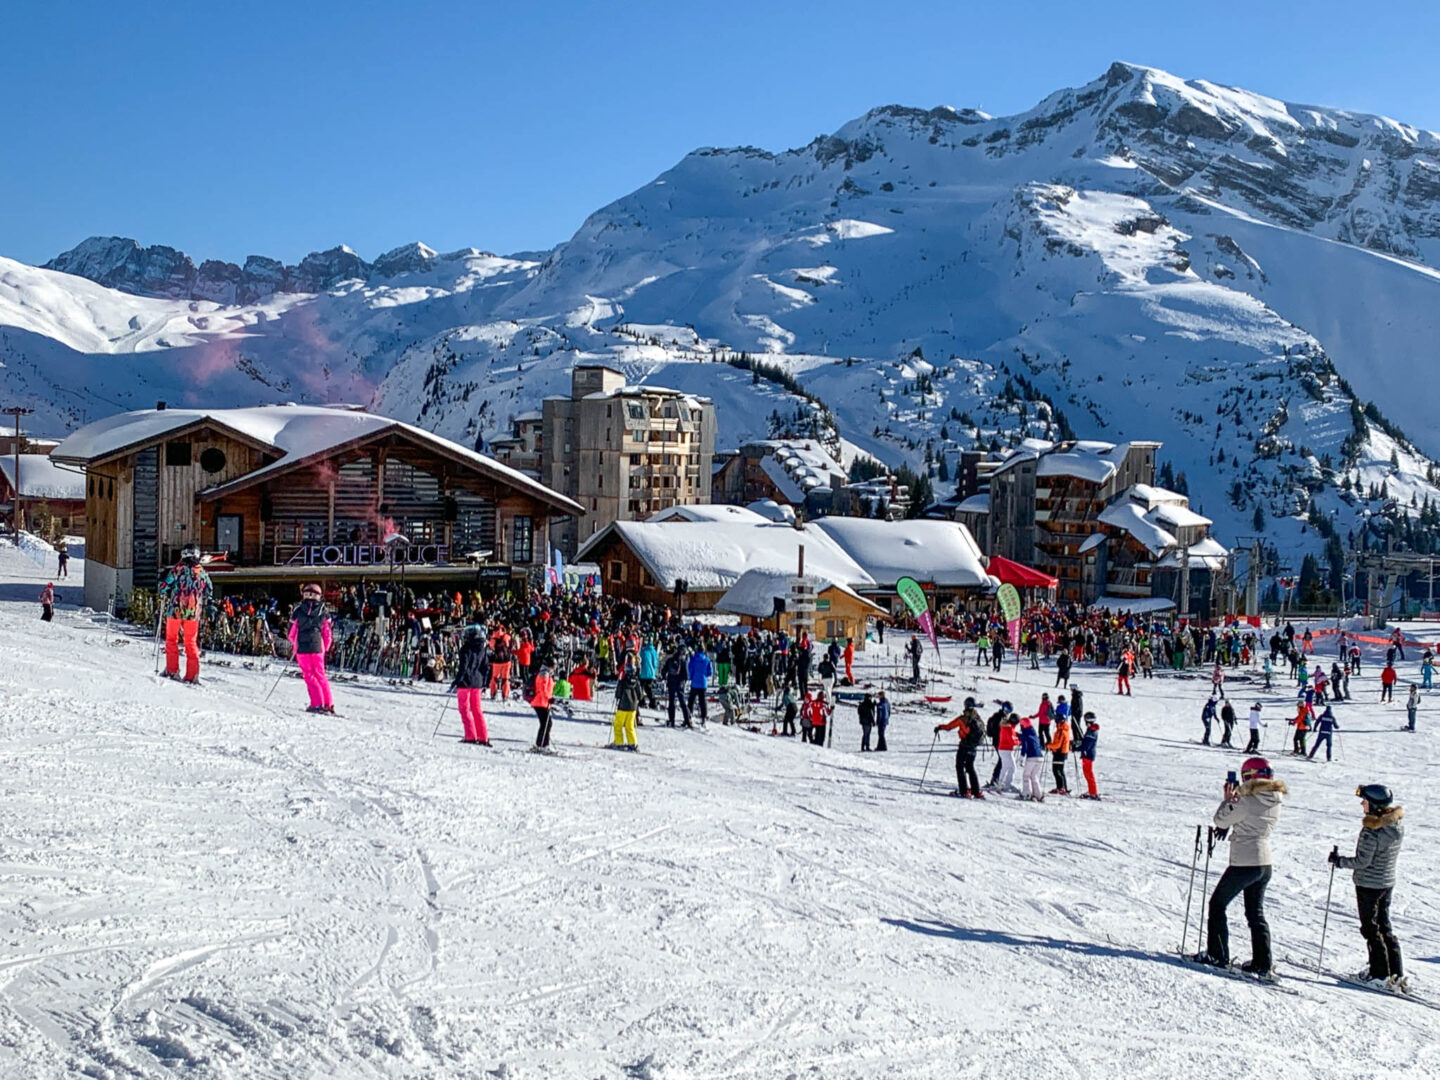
(161, 271)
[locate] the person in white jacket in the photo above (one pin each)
(1255, 725)
(1248, 815)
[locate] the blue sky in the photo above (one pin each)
(278, 129)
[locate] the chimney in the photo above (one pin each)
(159, 406)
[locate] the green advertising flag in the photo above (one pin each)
(912, 595)
(1009, 598)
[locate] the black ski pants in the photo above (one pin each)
(1250, 880)
(965, 778)
(1374, 907)
(1057, 766)
(542, 714)
(880, 736)
(696, 704)
(674, 696)
(1254, 743)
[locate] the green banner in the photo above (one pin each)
(1009, 598)
(912, 595)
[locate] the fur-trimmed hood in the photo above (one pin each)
(1383, 820)
(1261, 785)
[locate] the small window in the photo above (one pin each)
(212, 459)
(177, 454)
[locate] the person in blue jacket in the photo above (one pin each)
(649, 671)
(1324, 732)
(1087, 755)
(699, 670)
(882, 719)
(1033, 754)
(1207, 717)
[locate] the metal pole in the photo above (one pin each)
(16, 411)
(276, 684)
(926, 770)
(1190, 891)
(1325, 924)
(1205, 887)
(444, 708)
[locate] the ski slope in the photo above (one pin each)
(200, 883)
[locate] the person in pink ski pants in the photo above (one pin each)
(310, 639)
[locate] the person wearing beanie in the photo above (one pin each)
(1009, 741)
(1248, 814)
(1253, 746)
(1087, 756)
(1034, 756)
(1373, 867)
(183, 595)
(971, 731)
(47, 602)
(472, 672)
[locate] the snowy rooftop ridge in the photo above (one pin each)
(297, 432)
(41, 478)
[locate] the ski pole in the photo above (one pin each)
(276, 684)
(159, 623)
(1190, 891)
(1325, 923)
(1205, 888)
(444, 708)
(926, 770)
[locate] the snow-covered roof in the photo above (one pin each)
(644, 389)
(1085, 459)
(1132, 517)
(755, 591)
(942, 552)
(770, 510)
(1085, 466)
(1208, 553)
(712, 555)
(1153, 496)
(296, 432)
(707, 512)
(975, 504)
(1178, 516)
(41, 478)
(797, 467)
(1091, 543)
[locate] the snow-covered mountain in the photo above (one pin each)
(1141, 257)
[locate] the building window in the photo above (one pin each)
(177, 454)
(617, 570)
(522, 543)
(212, 459)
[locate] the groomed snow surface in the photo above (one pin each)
(197, 883)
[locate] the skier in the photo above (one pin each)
(1427, 672)
(866, 710)
(849, 655)
(1122, 676)
(540, 702)
(62, 556)
(500, 660)
(1255, 725)
(913, 650)
(1248, 814)
(882, 721)
(1388, 678)
(1412, 706)
(627, 705)
(1087, 756)
(1062, 667)
(47, 602)
(1376, 852)
(524, 653)
(1337, 683)
(826, 671)
(1034, 756)
(817, 711)
(1397, 639)
(699, 669)
(1303, 716)
(184, 593)
(982, 648)
(1217, 681)
(1077, 711)
(1042, 717)
(997, 652)
(649, 671)
(967, 725)
(789, 708)
(1007, 743)
(1324, 732)
(1227, 717)
(1059, 748)
(675, 688)
(310, 638)
(471, 675)
(1269, 671)
(1207, 717)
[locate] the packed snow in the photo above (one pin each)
(207, 883)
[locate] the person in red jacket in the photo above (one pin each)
(1009, 742)
(850, 661)
(540, 702)
(817, 711)
(1388, 679)
(524, 652)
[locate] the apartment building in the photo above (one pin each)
(623, 452)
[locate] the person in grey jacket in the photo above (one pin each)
(1373, 865)
(1248, 815)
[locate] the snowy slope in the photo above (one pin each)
(198, 883)
(1153, 257)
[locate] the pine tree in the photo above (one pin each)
(1257, 522)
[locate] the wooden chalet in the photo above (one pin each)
(285, 493)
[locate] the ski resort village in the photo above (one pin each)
(954, 599)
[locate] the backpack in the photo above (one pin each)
(528, 690)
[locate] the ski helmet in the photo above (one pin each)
(190, 553)
(969, 703)
(1256, 768)
(1377, 795)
